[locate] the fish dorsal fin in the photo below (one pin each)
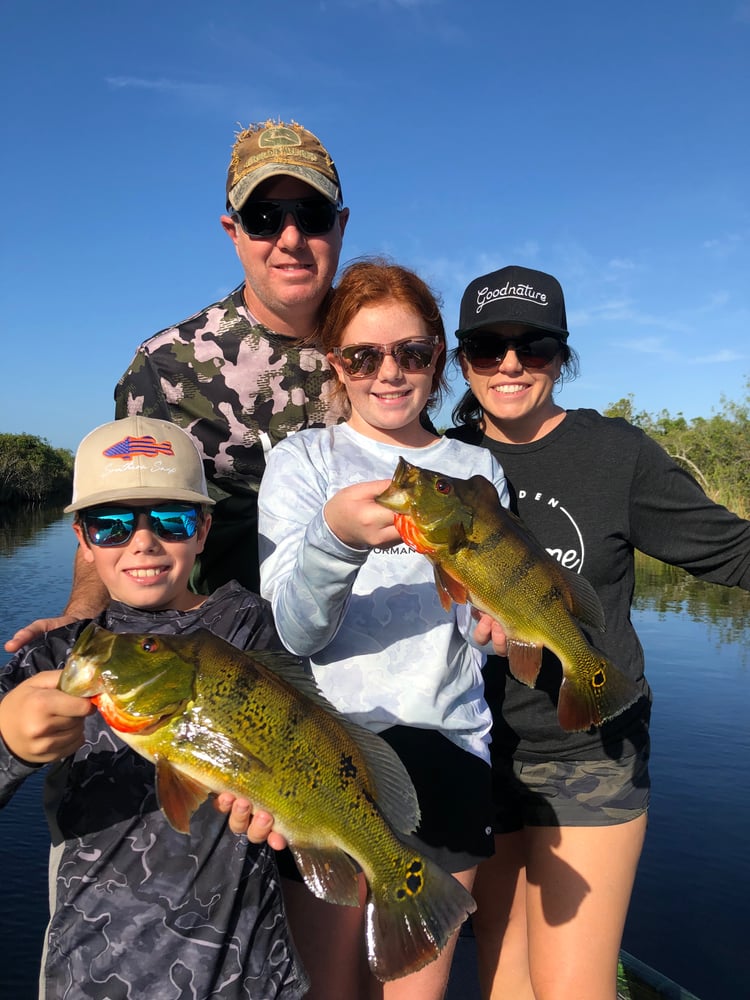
(178, 795)
(393, 787)
(329, 873)
(584, 602)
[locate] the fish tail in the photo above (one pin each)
(589, 697)
(409, 924)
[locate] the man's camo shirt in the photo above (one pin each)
(238, 389)
(138, 910)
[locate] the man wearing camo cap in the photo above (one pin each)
(240, 374)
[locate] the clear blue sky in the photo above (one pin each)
(606, 143)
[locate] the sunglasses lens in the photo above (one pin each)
(486, 353)
(107, 527)
(360, 361)
(313, 216)
(261, 218)
(414, 356)
(175, 523)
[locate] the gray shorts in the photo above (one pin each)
(569, 793)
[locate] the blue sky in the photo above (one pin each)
(605, 143)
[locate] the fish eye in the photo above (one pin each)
(150, 645)
(443, 486)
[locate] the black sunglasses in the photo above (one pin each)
(364, 360)
(109, 526)
(485, 352)
(263, 219)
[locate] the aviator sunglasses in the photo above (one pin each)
(263, 219)
(109, 526)
(364, 360)
(485, 352)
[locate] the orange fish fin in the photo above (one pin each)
(587, 700)
(449, 588)
(329, 873)
(525, 660)
(408, 924)
(178, 795)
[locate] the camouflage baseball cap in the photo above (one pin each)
(273, 149)
(137, 458)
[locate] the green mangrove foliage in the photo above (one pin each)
(715, 450)
(33, 472)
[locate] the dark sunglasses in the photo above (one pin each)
(111, 526)
(485, 352)
(364, 360)
(263, 219)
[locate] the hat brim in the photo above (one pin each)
(491, 327)
(144, 493)
(247, 184)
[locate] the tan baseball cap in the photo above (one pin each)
(137, 458)
(274, 149)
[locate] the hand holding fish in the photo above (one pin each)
(39, 723)
(489, 630)
(257, 826)
(357, 520)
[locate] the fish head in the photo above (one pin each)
(138, 682)
(431, 509)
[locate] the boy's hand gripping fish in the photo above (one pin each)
(484, 555)
(213, 718)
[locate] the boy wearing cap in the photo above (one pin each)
(138, 909)
(243, 373)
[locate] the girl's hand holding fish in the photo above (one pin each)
(257, 826)
(489, 630)
(39, 723)
(356, 520)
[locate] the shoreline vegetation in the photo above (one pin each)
(33, 473)
(715, 450)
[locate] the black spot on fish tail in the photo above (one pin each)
(591, 699)
(413, 880)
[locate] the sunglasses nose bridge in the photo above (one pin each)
(387, 356)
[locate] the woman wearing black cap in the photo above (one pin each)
(570, 806)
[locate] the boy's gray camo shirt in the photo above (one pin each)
(237, 388)
(139, 910)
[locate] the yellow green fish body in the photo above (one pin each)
(213, 718)
(483, 554)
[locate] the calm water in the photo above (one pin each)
(690, 912)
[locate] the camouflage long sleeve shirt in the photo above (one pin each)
(137, 909)
(238, 388)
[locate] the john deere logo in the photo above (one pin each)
(279, 136)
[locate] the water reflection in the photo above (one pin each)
(670, 590)
(20, 525)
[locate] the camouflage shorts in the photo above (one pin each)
(570, 793)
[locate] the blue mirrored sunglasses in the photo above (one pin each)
(109, 526)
